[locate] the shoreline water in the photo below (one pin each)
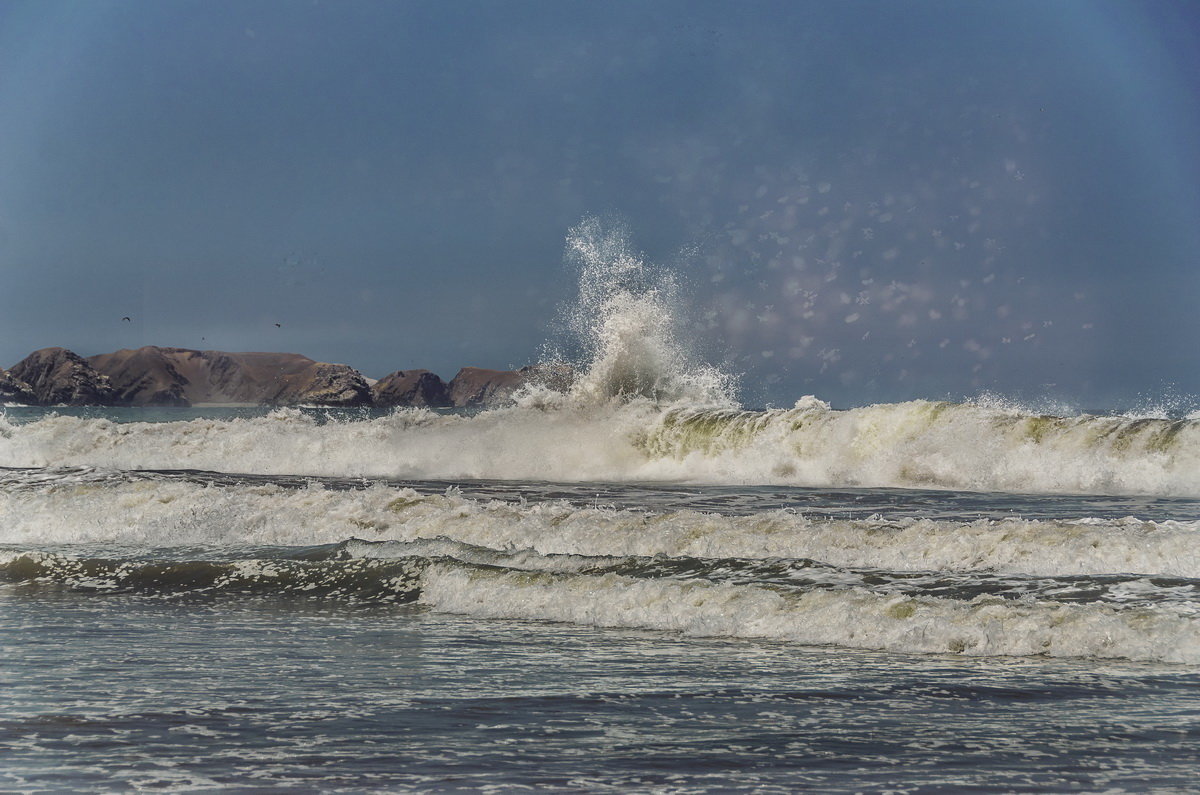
(631, 582)
(402, 698)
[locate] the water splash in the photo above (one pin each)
(625, 327)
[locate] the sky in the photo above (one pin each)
(865, 201)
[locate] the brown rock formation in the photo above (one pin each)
(154, 376)
(14, 390)
(58, 376)
(143, 377)
(475, 386)
(181, 377)
(410, 388)
(554, 375)
(326, 384)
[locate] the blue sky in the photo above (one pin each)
(864, 200)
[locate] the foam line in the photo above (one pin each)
(851, 618)
(147, 513)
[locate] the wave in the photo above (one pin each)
(793, 601)
(112, 508)
(625, 327)
(241, 511)
(350, 580)
(644, 407)
(917, 444)
(852, 617)
(966, 446)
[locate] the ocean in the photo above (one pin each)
(636, 584)
(632, 596)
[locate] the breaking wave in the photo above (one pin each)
(917, 444)
(98, 509)
(797, 601)
(625, 330)
(846, 617)
(1086, 587)
(644, 407)
(297, 504)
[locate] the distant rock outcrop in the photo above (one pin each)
(143, 377)
(58, 376)
(475, 386)
(14, 390)
(326, 385)
(410, 388)
(553, 375)
(153, 376)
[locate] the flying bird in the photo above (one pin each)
(278, 326)
(126, 318)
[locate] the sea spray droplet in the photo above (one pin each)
(625, 324)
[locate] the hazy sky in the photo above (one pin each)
(865, 200)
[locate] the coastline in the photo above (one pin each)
(163, 377)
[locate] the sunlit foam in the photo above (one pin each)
(643, 407)
(107, 508)
(625, 327)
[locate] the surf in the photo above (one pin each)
(918, 444)
(637, 403)
(794, 601)
(93, 508)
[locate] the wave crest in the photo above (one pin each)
(625, 324)
(918, 444)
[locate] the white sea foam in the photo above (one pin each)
(625, 327)
(916, 444)
(643, 407)
(850, 617)
(155, 513)
(494, 584)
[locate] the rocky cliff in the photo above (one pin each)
(58, 376)
(156, 376)
(14, 390)
(325, 385)
(410, 388)
(153, 376)
(143, 377)
(475, 386)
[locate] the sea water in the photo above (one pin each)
(189, 629)
(634, 584)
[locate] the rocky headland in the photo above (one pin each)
(55, 376)
(153, 376)
(410, 388)
(156, 376)
(14, 390)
